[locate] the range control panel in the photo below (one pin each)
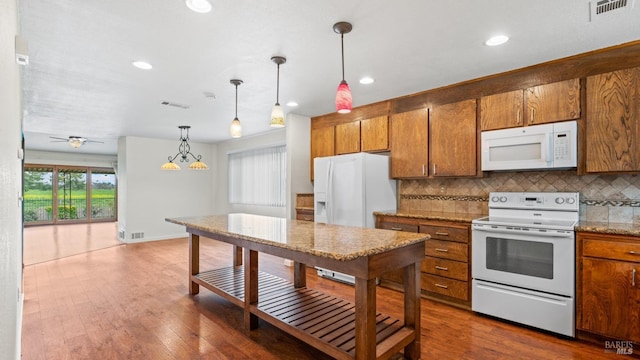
(564, 201)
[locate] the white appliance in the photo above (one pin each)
(543, 146)
(523, 259)
(348, 189)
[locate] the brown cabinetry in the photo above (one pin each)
(445, 271)
(304, 214)
(613, 121)
(608, 286)
(348, 138)
(322, 143)
(375, 134)
(453, 139)
(554, 102)
(409, 143)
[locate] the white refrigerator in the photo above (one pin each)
(348, 189)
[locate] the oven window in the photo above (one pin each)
(530, 258)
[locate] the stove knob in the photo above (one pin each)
(495, 199)
(571, 200)
(559, 200)
(503, 199)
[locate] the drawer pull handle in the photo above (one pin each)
(307, 218)
(442, 286)
(396, 228)
(442, 233)
(442, 250)
(442, 268)
(633, 278)
(634, 252)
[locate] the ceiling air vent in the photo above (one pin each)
(604, 6)
(169, 103)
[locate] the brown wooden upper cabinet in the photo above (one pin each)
(322, 143)
(348, 138)
(375, 134)
(453, 139)
(409, 136)
(559, 101)
(613, 121)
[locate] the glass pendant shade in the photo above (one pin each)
(170, 166)
(277, 116)
(344, 101)
(198, 165)
(236, 128)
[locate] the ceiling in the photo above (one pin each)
(80, 81)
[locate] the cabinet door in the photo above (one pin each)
(408, 140)
(375, 134)
(322, 143)
(553, 102)
(610, 303)
(348, 138)
(453, 139)
(501, 111)
(613, 111)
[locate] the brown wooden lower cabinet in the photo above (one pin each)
(445, 271)
(608, 286)
(304, 214)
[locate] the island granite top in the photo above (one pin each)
(342, 243)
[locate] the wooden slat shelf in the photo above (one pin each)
(323, 321)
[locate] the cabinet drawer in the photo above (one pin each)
(447, 268)
(460, 234)
(398, 226)
(447, 250)
(625, 251)
(441, 285)
(304, 215)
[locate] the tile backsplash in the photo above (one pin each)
(607, 198)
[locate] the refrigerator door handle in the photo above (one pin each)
(329, 199)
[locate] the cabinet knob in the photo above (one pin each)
(442, 286)
(442, 250)
(442, 268)
(442, 233)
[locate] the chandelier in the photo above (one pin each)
(183, 151)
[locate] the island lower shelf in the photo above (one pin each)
(321, 320)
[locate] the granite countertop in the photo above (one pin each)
(609, 228)
(342, 243)
(432, 215)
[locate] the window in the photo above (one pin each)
(258, 176)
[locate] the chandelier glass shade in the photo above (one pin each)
(277, 115)
(344, 100)
(184, 151)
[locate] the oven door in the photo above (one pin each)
(531, 261)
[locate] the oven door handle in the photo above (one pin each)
(501, 230)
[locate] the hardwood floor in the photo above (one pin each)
(48, 242)
(132, 302)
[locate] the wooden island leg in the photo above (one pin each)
(250, 288)
(237, 255)
(194, 262)
(299, 275)
(412, 308)
(365, 318)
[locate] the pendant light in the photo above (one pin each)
(183, 150)
(344, 102)
(277, 115)
(236, 128)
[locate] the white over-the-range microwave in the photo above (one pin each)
(543, 146)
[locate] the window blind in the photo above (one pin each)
(258, 176)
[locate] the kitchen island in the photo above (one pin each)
(332, 325)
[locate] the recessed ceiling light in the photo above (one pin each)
(199, 6)
(366, 80)
(497, 40)
(142, 65)
(292, 104)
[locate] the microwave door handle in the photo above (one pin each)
(549, 156)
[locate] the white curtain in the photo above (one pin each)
(258, 176)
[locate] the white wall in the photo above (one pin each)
(221, 205)
(298, 155)
(148, 195)
(10, 186)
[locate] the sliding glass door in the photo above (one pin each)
(65, 194)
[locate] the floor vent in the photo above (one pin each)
(138, 235)
(604, 6)
(169, 103)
